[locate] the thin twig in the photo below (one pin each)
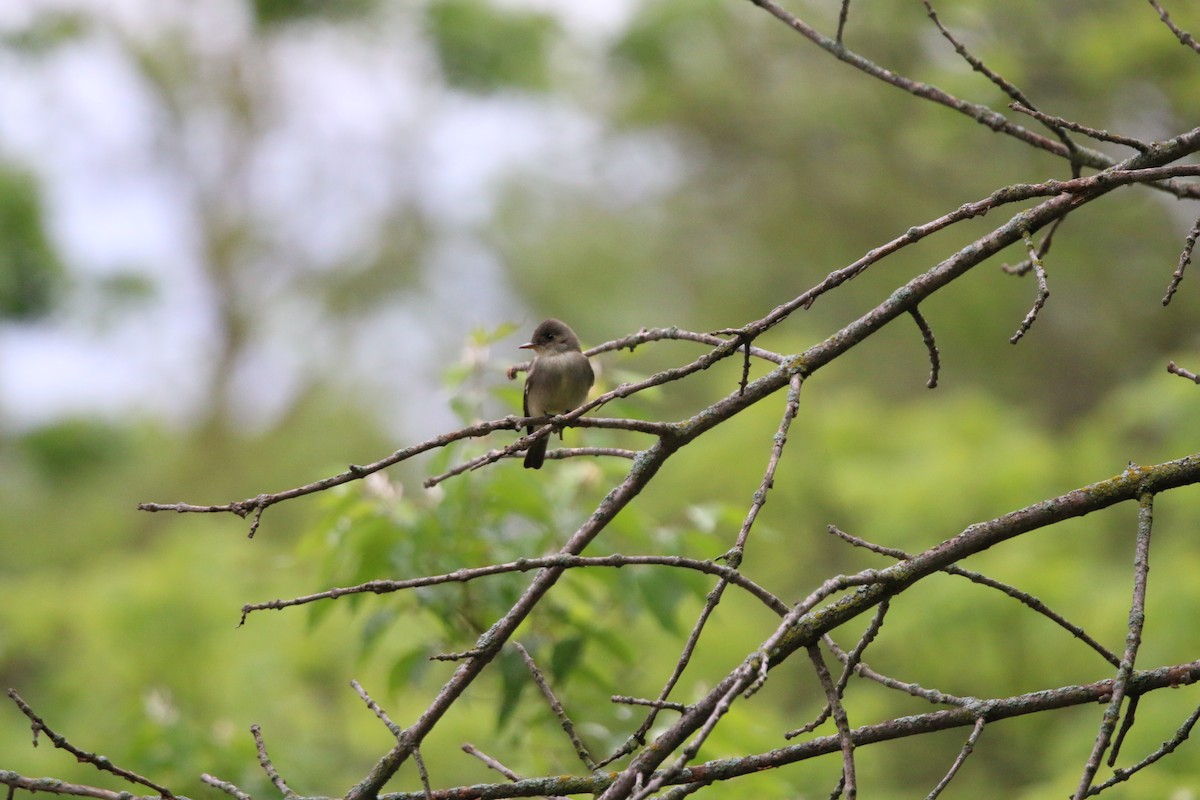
(689, 752)
(722, 348)
(1133, 640)
(1185, 258)
(422, 772)
(1003, 84)
(1175, 369)
(492, 763)
(935, 361)
(679, 792)
(790, 410)
(1043, 291)
(761, 658)
(572, 452)
(1167, 748)
(1099, 135)
(562, 561)
(843, 16)
(15, 781)
(864, 670)
(1009, 194)
(850, 662)
(1185, 38)
(265, 762)
(990, 709)
(225, 786)
(471, 749)
(864, 641)
(1127, 722)
(980, 113)
(798, 630)
(967, 748)
(640, 701)
(39, 726)
(557, 707)
(983, 580)
(733, 558)
(638, 737)
(840, 719)
(1121, 174)
(462, 655)
(396, 730)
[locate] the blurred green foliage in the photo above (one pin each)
(787, 164)
(31, 274)
(274, 13)
(483, 48)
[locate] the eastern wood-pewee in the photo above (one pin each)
(558, 381)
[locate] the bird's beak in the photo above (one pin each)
(526, 346)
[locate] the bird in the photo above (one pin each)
(559, 378)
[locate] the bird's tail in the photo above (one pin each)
(536, 453)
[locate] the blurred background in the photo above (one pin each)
(243, 244)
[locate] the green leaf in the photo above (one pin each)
(565, 655)
(318, 611)
(482, 48)
(661, 591)
(514, 677)
(74, 448)
(31, 274)
(376, 625)
(407, 669)
(47, 32)
(279, 12)
(484, 336)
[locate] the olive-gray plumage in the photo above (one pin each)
(558, 381)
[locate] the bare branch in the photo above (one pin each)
(555, 706)
(967, 748)
(396, 730)
(637, 701)
(734, 558)
(990, 711)
(1003, 84)
(1185, 38)
(100, 762)
(935, 360)
(851, 662)
(849, 782)
(1065, 195)
(1133, 640)
(1098, 135)
(55, 786)
(1167, 748)
(980, 113)
(1127, 721)
(1043, 293)
(422, 772)
(669, 760)
(801, 629)
(1175, 369)
(564, 561)
(976, 577)
(225, 786)
(843, 17)
(1185, 258)
(863, 670)
(264, 761)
